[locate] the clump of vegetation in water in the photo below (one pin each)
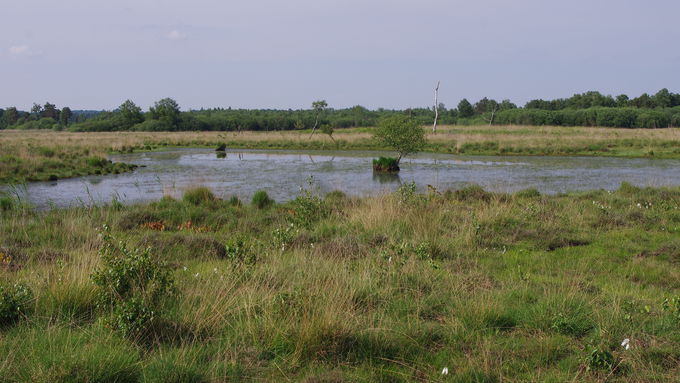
(261, 200)
(386, 165)
(402, 134)
(221, 147)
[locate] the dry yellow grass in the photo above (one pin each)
(526, 136)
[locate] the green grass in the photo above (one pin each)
(494, 287)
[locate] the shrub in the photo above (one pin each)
(238, 251)
(307, 209)
(407, 192)
(198, 195)
(132, 284)
(261, 199)
(14, 303)
(221, 147)
(386, 164)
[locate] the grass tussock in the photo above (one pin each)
(493, 287)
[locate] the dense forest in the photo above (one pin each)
(659, 110)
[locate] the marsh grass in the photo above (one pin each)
(495, 287)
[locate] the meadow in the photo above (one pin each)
(447, 286)
(39, 155)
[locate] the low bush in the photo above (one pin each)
(132, 284)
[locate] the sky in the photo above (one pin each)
(94, 54)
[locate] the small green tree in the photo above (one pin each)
(65, 115)
(11, 116)
(166, 111)
(465, 109)
(130, 113)
(319, 107)
(50, 111)
(401, 133)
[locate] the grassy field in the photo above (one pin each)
(43, 155)
(394, 288)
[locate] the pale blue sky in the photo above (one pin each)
(92, 54)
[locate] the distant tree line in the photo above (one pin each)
(586, 109)
(46, 116)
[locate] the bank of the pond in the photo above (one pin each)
(281, 173)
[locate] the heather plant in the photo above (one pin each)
(308, 207)
(132, 284)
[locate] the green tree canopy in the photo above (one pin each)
(465, 109)
(130, 113)
(166, 111)
(50, 111)
(401, 133)
(65, 115)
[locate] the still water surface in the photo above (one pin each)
(282, 172)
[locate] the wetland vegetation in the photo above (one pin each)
(492, 287)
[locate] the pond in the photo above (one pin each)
(282, 172)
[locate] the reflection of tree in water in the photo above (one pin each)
(387, 178)
(314, 162)
(221, 155)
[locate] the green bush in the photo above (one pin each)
(198, 195)
(132, 284)
(14, 303)
(307, 209)
(239, 251)
(261, 199)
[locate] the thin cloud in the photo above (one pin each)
(176, 35)
(19, 51)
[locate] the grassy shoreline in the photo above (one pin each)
(392, 288)
(41, 155)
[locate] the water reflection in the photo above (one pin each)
(387, 178)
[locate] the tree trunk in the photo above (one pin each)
(436, 108)
(316, 122)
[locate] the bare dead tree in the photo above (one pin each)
(436, 108)
(493, 115)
